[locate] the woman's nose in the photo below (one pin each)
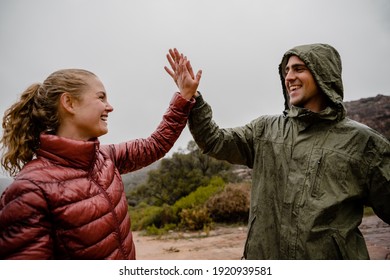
(109, 108)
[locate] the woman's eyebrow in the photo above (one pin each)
(101, 92)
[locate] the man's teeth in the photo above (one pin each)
(292, 88)
(103, 119)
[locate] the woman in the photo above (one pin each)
(67, 200)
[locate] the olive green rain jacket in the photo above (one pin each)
(312, 172)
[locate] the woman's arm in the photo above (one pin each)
(138, 153)
(24, 226)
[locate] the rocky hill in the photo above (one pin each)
(373, 112)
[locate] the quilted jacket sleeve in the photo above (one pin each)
(138, 153)
(24, 226)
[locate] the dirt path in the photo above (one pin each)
(377, 235)
(227, 243)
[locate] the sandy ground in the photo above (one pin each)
(227, 243)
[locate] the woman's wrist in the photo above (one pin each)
(187, 95)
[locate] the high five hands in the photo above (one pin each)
(183, 74)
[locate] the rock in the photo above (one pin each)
(372, 111)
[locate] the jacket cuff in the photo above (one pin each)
(199, 101)
(181, 103)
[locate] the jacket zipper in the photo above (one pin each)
(112, 208)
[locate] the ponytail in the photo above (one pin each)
(20, 132)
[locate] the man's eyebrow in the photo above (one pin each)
(295, 66)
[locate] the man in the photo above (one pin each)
(314, 170)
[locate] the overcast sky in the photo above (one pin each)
(237, 43)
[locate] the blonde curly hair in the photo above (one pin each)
(34, 113)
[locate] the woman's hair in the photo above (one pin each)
(34, 113)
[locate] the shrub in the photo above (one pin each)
(199, 196)
(195, 219)
(230, 205)
(368, 211)
(153, 230)
(145, 215)
(154, 218)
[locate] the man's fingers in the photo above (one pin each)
(176, 54)
(173, 54)
(190, 70)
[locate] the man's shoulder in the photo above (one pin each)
(361, 129)
(271, 118)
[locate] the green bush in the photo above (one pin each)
(368, 211)
(155, 218)
(145, 215)
(199, 196)
(195, 219)
(153, 230)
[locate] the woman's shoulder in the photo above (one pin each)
(33, 169)
(19, 187)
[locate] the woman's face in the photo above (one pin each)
(91, 111)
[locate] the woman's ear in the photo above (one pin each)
(67, 102)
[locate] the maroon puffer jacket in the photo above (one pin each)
(69, 203)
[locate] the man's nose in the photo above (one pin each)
(289, 76)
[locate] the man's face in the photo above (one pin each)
(301, 87)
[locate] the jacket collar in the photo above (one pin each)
(305, 118)
(68, 152)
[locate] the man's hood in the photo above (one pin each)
(324, 63)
